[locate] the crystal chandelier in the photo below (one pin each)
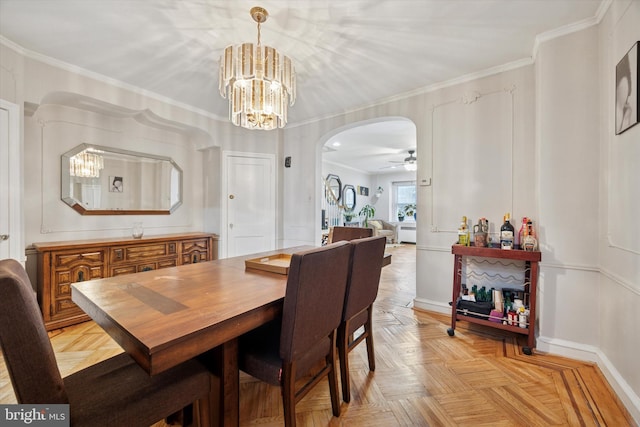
(258, 81)
(86, 164)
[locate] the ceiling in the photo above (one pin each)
(375, 147)
(347, 54)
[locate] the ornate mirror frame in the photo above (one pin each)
(349, 197)
(334, 185)
(143, 184)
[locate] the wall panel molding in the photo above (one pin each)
(480, 152)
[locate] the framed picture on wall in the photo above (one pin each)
(116, 184)
(627, 91)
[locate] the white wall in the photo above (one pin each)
(385, 203)
(568, 138)
(590, 282)
(618, 159)
(55, 129)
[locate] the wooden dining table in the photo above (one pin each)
(168, 316)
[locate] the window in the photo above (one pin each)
(404, 193)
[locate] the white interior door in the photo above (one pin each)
(250, 203)
(11, 235)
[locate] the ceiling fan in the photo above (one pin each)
(409, 162)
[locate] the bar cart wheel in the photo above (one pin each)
(527, 350)
(451, 332)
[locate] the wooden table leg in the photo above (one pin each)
(223, 362)
(230, 384)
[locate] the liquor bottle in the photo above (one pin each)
(506, 233)
(463, 233)
(521, 233)
(530, 243)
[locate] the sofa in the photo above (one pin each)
(383, 228)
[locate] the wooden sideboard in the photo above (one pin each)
(62, 263)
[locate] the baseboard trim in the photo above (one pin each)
(429, 305)
(574, 350)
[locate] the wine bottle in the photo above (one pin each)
(506, 233)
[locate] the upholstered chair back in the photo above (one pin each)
(366, 266)
(25, 344)
(314, 298)
(349, 233)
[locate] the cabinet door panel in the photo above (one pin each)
(195, 251)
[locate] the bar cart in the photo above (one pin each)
(531, 260)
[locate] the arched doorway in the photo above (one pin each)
(367, 155)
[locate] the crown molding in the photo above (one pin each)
(571, 28)
(105, 79)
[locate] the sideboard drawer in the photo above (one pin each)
(68, 260)
(142, 252)
(144, 266)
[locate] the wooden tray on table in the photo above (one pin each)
(278, 263)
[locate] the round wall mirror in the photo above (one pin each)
(349, 197)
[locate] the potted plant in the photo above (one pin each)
(400, 215)
(367, 212)
(348, 215)
(410, 210)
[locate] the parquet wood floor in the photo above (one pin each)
(423, 377)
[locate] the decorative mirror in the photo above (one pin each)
(349, 197)
(334, 185)
(100, 180)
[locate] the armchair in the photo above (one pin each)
(383, 228)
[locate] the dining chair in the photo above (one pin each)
(338, 233)
(362, 289)
(114, 392)
(303, 342)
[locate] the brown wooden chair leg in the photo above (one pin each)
(334, 391)
(368, 328)
(333, 378)
(343, 350)
(289, 394)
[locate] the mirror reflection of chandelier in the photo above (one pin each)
(258, 81)
(86, 164)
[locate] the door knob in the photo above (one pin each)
(231, 196)
(4, 237)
